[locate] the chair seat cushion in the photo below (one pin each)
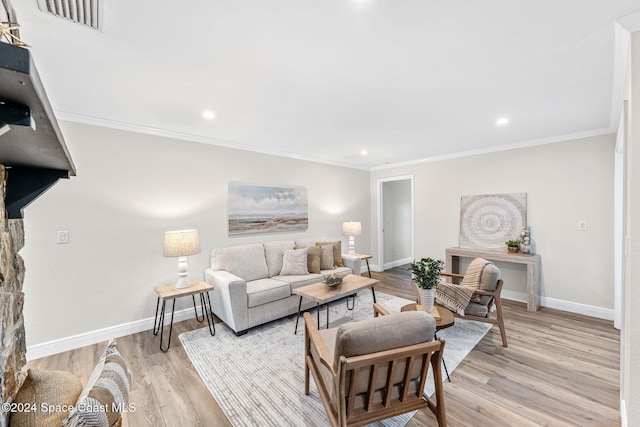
(476, 309)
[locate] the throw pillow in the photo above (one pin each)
(337, 251)
(294, 262)
(326, 258)
(106, 391)
(313, 258)
(57, 388)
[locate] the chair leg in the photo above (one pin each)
(307, 350)
(500, 320)
(306, 378)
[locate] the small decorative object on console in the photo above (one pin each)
(333, 280)
(512, 245)
(525, 236)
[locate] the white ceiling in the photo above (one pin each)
(325, 79)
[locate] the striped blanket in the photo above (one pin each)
(457, 297)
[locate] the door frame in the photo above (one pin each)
(380, 200)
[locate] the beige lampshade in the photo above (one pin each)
(181, 243)
(352, 228)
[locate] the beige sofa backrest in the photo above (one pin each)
(245, 261)
(274, 252)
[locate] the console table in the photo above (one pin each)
(532, 262)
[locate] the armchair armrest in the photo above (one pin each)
(313, 339)
(452, 275)
(379, 310)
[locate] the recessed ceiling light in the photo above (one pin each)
(209, 115)
(363, 153)
(502, 121)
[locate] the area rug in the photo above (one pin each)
(258, 378)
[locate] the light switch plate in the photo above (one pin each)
(62, 237)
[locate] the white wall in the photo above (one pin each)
(129, 189)
(630, 369)
(565, 182)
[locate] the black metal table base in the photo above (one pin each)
(353, 304)
(205, 307)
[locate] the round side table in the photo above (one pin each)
(446, 316)
(446, 320)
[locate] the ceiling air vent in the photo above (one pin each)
(83, 12)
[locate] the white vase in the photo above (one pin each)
(426, 298)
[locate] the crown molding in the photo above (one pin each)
(78, 118)
(498, 148)
(112, 124)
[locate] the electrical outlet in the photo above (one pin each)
(582, 225)
(62, 236)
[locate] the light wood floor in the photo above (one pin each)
(560, 369)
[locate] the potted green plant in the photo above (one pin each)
(426, 275)
(512, 245)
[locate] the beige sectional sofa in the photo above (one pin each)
(251, 287)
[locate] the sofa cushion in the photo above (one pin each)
(51, 388)
(337, 251)
(326, 258)
(245, 261)
(262, 291)
(108, 387)
(294, 261)
(302, 280)
(313, 258)
(273, 252)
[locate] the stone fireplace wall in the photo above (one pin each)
(12, 338)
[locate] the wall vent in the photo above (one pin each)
(84, 12)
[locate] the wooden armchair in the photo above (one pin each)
(485, 297)
(375, 369)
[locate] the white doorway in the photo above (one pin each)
(395, 221)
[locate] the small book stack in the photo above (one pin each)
(435, 313)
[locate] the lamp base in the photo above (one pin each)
(183, 279)
(352, 245)
(183, 282)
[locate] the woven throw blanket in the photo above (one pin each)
(454, 297)
(457, 297)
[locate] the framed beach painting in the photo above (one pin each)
(267, 209)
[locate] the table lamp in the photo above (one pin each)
(351, 229)
(181, 244)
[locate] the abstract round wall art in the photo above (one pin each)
(487, 221)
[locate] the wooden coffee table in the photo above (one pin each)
(446, 321)
(321, 293)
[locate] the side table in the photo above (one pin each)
(170, 292)
(366, 259)
(446, 320)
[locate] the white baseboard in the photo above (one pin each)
(397, 263)
(623, 414)
(88, 338)
(572, 307)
